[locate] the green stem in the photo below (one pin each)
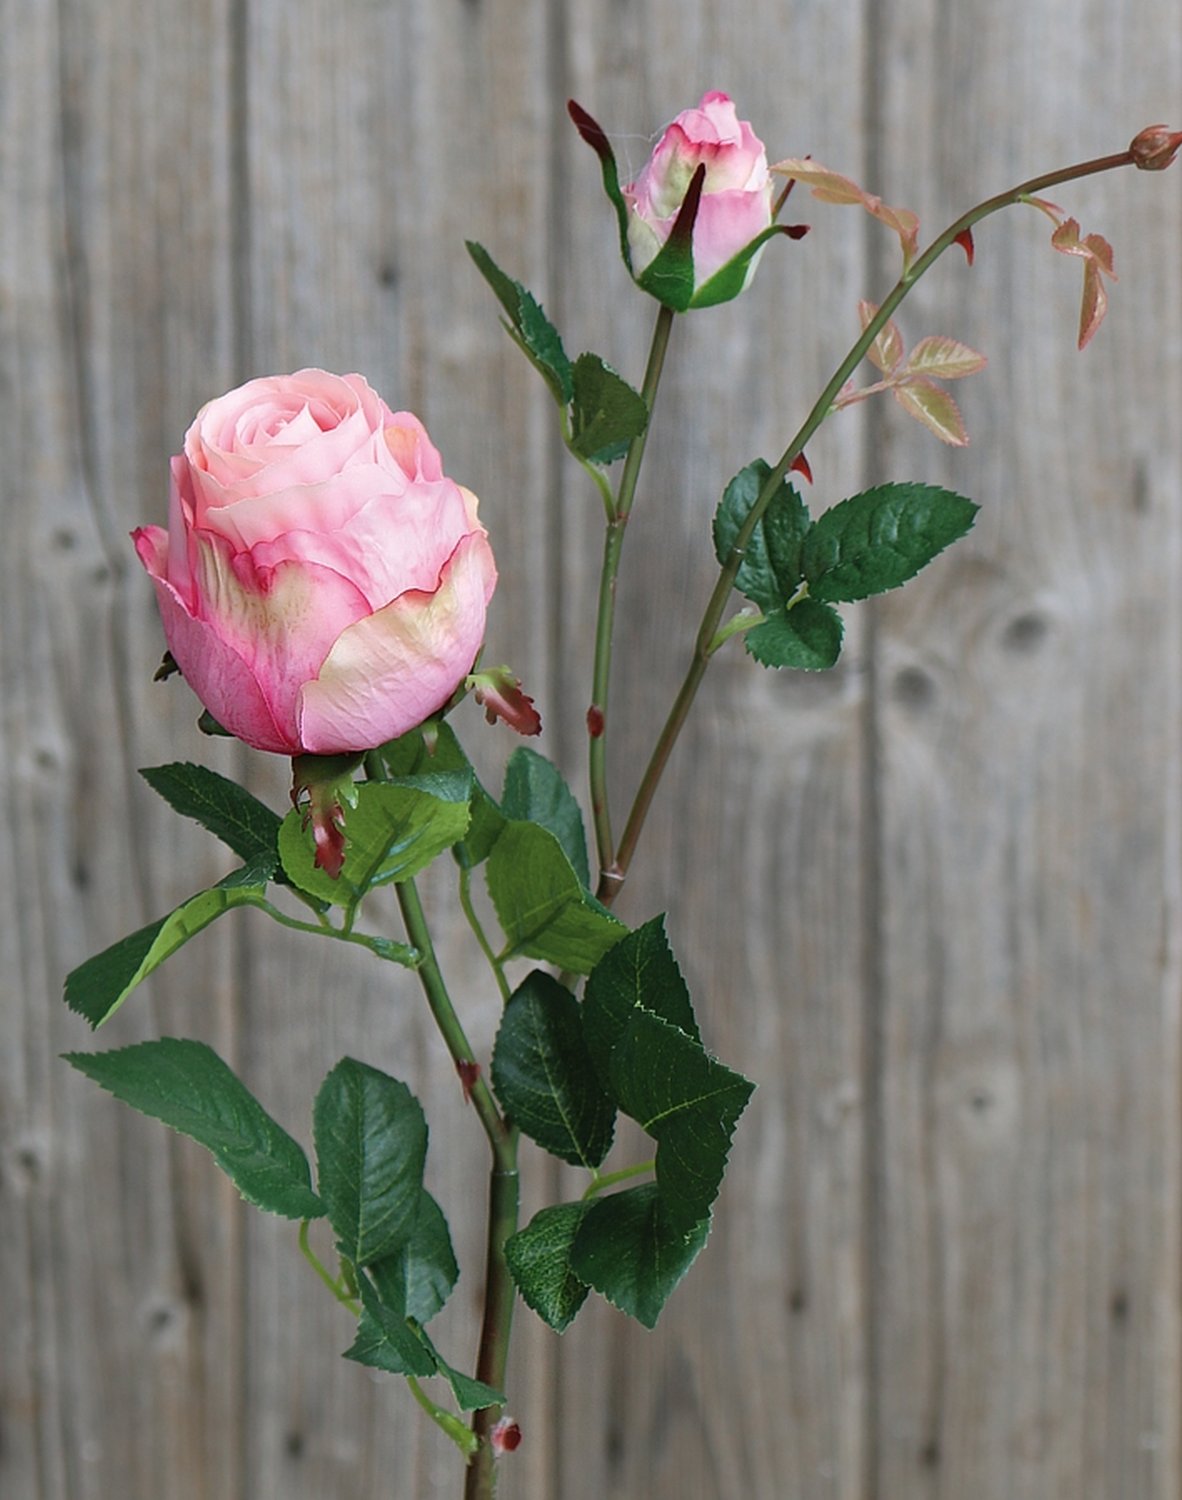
(706, 637)
(599, 1181)
(499, 1297)
(454, 1426)
(477, 927)
(613, 543)
(379, 946)
(324, 1273)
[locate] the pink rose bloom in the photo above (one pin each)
(736, 204)
(323, 585)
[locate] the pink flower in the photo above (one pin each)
(322, 584)
(736, 201)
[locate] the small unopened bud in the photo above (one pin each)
(505, 1436)
(1155, 148)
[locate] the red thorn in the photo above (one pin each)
(469, 1072)
(965, 240)
(800, 465)
(595, 721)
(505, 1436)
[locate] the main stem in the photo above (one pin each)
(705, 639)
(613, 543)
(503, 1136)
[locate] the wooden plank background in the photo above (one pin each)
(931, 902)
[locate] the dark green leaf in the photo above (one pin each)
(536, 793)
(770, 570)
(228, 810)
(807, 636)
(97, 988)
(538, 1257)
(470, 1394)
(418, 1279)
(528, 325)
(386, 1341)
(639, 971)
(628, 1249)
(189, 1087)
(543, 907)
(544, 1077)
(606, 413)
(414, 755)
(879, 539)
(394, 831)
(371, 1143)
(687, 1101)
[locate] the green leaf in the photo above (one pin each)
(629, 1249)
(528, 326)
(189, 1087)
(414, 755)
(538, 1258)
(387, 1341)
(97, 988)
(543, 907)
(371, 1143)
(879, 539)
(770, 571)
(535, 792)
(606, 413)
(418, 1278)
(808, 636)
(395, 830)
(226, 809)
(544, 1077)
(639, 971)
(470, 1394)
(687, 1101)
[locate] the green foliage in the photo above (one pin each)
(543, 907)
(879, 539)
(535, 792)
(371, 1144)
(640, 972)
(606, 413)
(421, 1274)
(808, 636)
(419, 752)
(629, 1249)
(226, 809)
(539, 1259)
(386, 1340)
(188, 1086)
(528, 326)
(395, 830)
(544, 1077)
(770, 571)
(97, 988)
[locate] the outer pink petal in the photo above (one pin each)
(726, 223)
(395, 668)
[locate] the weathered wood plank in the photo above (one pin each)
(1025, 1247)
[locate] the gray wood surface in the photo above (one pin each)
(931, 902)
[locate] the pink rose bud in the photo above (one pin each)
(736, 196)
(1155, 148)
(323, 585)
(505, 1436)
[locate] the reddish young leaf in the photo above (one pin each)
(832, 187)
(886, 352)
(930, 404)
(945, 358)
(1096, 253)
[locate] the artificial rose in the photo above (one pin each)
(323, 585)
(736, 202)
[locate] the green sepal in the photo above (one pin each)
(543, 907)
(188, 1086)
(629, 1249)
(539, 1260)
(669, 276)
(227, 810)
(371, 1144)
(879, 539)
(771, 567)
(528, 326)
(808, 637)
(596, 137)
(606, 412)
(543, 1074)
(536, 792)
(729, 280)
(393, 830)
(437, 748)
(97, 988)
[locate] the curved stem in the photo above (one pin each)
(481, 936)
(499, 1297)
(705, 641)
(613, 543)
(609, 1179)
